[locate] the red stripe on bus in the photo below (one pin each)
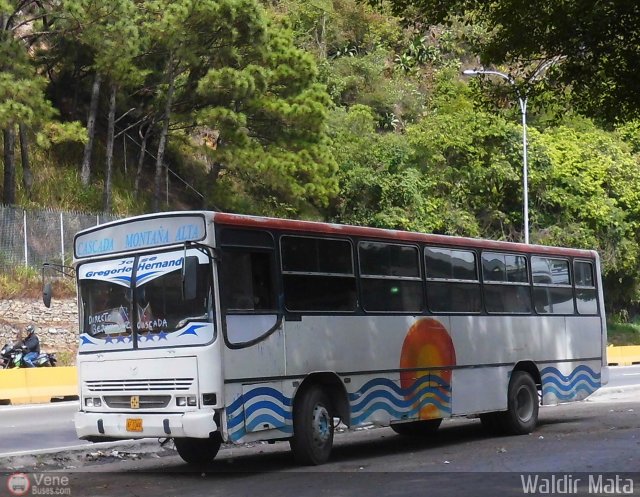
(268, 223)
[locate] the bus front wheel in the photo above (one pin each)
(521, 416)
(312, 427)
(198, 451)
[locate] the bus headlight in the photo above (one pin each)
(190, 400)
(92, 402)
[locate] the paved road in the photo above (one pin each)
(624, 376)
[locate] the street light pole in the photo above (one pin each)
(522, 100)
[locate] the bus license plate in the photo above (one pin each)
(134, 424)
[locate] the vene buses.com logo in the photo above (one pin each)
(18, 484)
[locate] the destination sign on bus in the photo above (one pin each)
(140, 234)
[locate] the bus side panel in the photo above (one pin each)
(378, 399)
(584, 337)
(478, 390)
(382, 398)
(345, 344)
(483, 340)
(263, 359)
(393, 367)
(580, 375)
(259, 411)
(253, 376)
(569, 381)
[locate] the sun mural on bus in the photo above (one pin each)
(425, 389)
(428, 345)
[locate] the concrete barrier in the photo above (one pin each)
(623, 356)
(37, 385)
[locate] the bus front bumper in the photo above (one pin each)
(195, 424)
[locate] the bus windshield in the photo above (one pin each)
(119, 303)
(106, 308)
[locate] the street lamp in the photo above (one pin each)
(522, 100)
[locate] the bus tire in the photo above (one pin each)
(198, 451)
(521, 416)
(312, 439)
(417, 429)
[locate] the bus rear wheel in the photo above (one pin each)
(312, 439)
(198, 451)
(521, 416)
(418, 429)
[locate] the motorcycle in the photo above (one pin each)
(12, 356)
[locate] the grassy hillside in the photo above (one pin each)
(27, 283)
(623, 333)
(57, 182)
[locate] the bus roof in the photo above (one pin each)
(390, 235)
(302, 227)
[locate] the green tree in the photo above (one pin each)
(380, 183)
(339, 28)
(108, 34)
(270, 114)
(188, 38)
(598, 41)
(24, 26)
(586, 189)
(474, 160)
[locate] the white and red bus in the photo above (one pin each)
(208, 327)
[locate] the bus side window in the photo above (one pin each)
(318, 274)
(247, 281)
(506, 283)
(452, 280)
(552, 292)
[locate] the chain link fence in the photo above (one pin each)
(32, 237)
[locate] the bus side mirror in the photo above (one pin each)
(47, 293)
(189, 278)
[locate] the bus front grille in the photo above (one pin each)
(144, 401)
(128, 385)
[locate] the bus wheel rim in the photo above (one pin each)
(321, 425)
(524, 404)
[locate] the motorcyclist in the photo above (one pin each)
(31, 343)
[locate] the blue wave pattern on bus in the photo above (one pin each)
(266, 405)
(581, 379)
(400, 403)
(259, 406)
